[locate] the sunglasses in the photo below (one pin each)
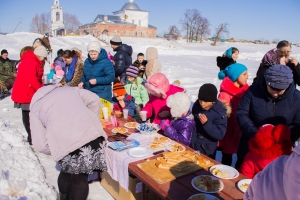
(276, 89)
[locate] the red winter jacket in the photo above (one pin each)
(231, 95)
(266, 146)
(29, 78)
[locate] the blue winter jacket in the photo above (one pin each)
(102, 70)
(181, 129)
(257, 108)
(122, 60)
(207, 135)
(129, 104)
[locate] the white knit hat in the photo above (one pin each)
(94, 46)
(179, 103)
(41, 51)
(116, 40)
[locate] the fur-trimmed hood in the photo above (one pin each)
(271, 141)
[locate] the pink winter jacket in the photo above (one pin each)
(156, 105)
(279, 180)
(63, 119)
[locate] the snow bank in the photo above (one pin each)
(21, 173)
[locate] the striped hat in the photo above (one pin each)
(132, 71)
(118, 90)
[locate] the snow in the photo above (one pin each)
(28, 174)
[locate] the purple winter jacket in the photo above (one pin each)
(181, 129)
(278, 180)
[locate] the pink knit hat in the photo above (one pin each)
(158, 84)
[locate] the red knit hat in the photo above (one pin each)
(118, 90)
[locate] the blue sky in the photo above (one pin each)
(247, 19)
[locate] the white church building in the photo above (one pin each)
(57, 19)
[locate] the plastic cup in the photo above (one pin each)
(144, 115)
(50, 80)
(45, 79)
(125, 113)
(105, 112)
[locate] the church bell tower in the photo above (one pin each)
(57, 22)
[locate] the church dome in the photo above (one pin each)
(130, 6)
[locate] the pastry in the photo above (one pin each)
(219, 173)
(245, 186)
(207, 184)
(130, 124)
(154, 146)
(120, 130)
(161, 139)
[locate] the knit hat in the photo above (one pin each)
(116, 40)
(118, 90)
(132, 71)
(271, 141)
(59, 71)
(208, 92)
(94, 46)
(158, 84)
(41, 51)
(228, 53)
(4, 51)
(179, 103)
(279, 76)
(233, 71)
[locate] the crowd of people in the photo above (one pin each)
(259, 122)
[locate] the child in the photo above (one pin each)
(59, 74)
(122, 100)
(135, 88)
(183, 124)
(232, 89)
(140, 63)
(211, 121)
(229, 57)
(268, 143)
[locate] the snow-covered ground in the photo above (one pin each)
(27, 174)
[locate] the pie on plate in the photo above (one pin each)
(156, 146)
(131, 124)
(207, 184)
(161, 140)
(119, 130)
(176, 147)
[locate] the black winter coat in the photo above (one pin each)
(263, 68)
(223, 62)
(207, 135)
(257, 108)
(122, 60)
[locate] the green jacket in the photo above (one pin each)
(139, 92)
(6, 69)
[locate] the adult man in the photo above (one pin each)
(273, 100)
(122, 59)
(7, 73)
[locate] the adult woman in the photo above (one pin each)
(160, 89)
(279, 55)
(273, 100)
(28, 81)
(68, 129)
(229, 57)
(98, 72)
(73, 68)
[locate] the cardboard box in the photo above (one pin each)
(134, 188)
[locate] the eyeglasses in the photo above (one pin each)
(276, 89)
(285, 52)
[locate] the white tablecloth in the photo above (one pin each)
(117, 162)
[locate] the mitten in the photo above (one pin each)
(164, 124)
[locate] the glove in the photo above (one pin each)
(164, 124)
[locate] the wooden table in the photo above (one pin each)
(181, 188)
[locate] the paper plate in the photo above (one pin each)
(138, 152)
(207, 196)
(131, 124)
(122, 130)
(213, 178)
(242, 182)
(232, 172)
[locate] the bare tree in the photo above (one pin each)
(220, 31)
(189, 22)
(174, 33)
(71, 23)
(202, 28)
(40, 23)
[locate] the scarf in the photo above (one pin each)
(271, 58)
(70, 69)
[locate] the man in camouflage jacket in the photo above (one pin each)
(7, 73)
